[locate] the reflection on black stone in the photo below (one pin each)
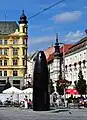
(40, 84)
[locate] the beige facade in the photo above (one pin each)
(13, 53)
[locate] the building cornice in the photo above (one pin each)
(77, 51)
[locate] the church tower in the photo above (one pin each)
(56, 62)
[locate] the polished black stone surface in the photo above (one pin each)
(40, 83)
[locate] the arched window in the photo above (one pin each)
(79, 64)
(75, 65)
(70, 67)
(65, 67)
(84, 63)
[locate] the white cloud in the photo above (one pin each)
(73, 36)
(67, 16)
(41, 39)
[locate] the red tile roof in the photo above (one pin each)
(50, 51)
(78, 45)
(65, 48)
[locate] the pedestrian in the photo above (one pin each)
(26, 102)
(29, 104)
(58, 102)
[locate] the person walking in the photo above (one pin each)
(29, 104)
(26, 102)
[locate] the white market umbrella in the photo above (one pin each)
(28, 90)
(12, 90)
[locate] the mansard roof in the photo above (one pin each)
(8, 27)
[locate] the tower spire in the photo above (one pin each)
(56, 37)
(23, 18)
(57, 47)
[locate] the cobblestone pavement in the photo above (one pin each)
(22, 114)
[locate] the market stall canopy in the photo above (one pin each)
(28, 90)
(12, 90)
(72, 91)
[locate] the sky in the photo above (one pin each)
(68, 19)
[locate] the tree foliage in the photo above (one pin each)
(61, 85)
(60, 88)
(81, 83)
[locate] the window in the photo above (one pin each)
(0, 42)
(5, 73)
(24, 42)
(23, 62)
(23, 51)
(65, 67)
(15, 73)
(5, 51)
(2, 81)
(0, 73)
(84, 66)
(15, 62)
(75, 65)
(0, 51)
(15, 42)
(15, 51)
(79, 64)
(5, 62)
(5, 42)
(0, 62)
(16, 81)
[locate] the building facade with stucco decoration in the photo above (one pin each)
(76, 59)
(73, 58)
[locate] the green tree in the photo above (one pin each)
(61, 85)
(60, 88)
(81, 83)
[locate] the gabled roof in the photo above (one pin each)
(8, 27)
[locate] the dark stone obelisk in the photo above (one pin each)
(41, 97)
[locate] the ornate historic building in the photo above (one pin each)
(74, 57)
(13, 51)
(54, 57)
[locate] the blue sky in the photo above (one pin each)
(68, 19)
